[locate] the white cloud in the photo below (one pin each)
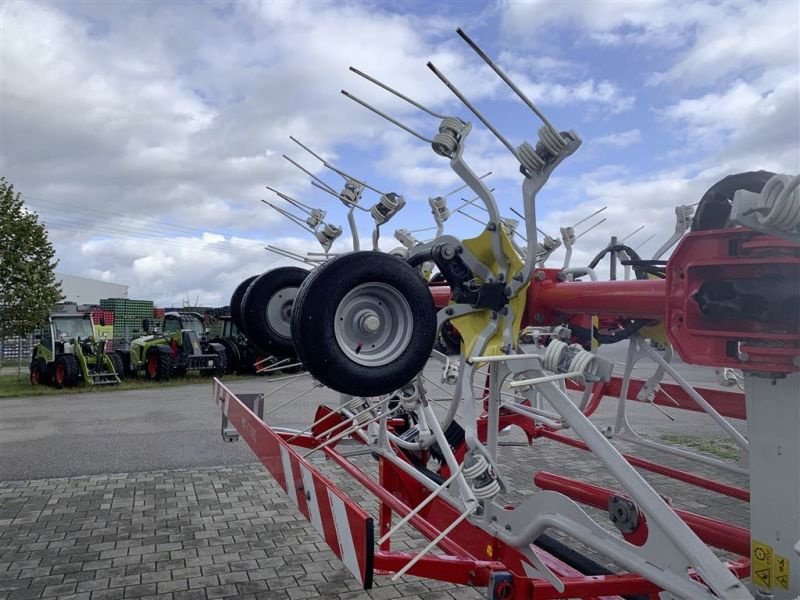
(619, 139)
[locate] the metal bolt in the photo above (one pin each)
(448, 311)
(370, 322)
(539, 275)
(491, 227)
(508, 527)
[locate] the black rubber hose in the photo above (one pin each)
(714, 208)
(576, 560)
(619, 248)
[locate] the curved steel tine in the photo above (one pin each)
(391, 90)
(290, 200)
(600, 222)
(597, 212)
(472, 108)
(505, 78)
(324, 188)
(633, 233)
(294, 218)
(521, 216)
(458, 189)
(333, 168)
(310, 174)
(644, 242)
(387, 117)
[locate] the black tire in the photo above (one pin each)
(65, 371)
(119, 366)
(220, 366)
(236, 302)
(272, 292)
(315, 316)
(39, 373)
(158, 366)
(233, 357)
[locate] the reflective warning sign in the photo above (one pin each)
(781, 571)
(762, 564)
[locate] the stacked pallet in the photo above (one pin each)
(128, 316)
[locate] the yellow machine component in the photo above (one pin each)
(656, 332)
(470, 326)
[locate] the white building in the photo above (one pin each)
(82, 290)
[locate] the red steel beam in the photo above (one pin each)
(728, 404)
(701, 482)
(716, 533)
(635, 299)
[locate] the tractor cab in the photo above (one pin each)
(65, 330)
(182, 345)
(187, 329)
(67, 352)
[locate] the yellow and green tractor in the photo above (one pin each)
(68, 353)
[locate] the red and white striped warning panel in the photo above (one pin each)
(344, 525)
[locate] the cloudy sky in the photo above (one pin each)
(144, 133)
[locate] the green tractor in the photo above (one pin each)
(242, 355)
(67, 352)
(181, 346)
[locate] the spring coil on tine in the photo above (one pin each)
(554, 354)
(445, 142)
(351, 193)
(328, 234)
(315, 218)
(585, 363)
(528, 157)
(439, 204)
(549, 140)
(484, 483)
(385, 208)
(552, 140)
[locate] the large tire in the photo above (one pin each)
(116, 361)
(233, 359)
(39, 373)
(220, 365)
(267, 309)
(364, 323)
(65, 371)
(236, 302)
(158, 366)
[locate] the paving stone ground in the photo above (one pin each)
(223, 532)
(206, 532)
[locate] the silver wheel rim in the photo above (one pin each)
(279, 311)
(373, 324)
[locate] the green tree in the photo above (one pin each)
(28, 286)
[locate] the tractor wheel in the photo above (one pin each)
(220, 364)
(158, 366)
(39, 373)
(65, 373)
(233, 358)
(364, 323)
(116, 361)
(267, 309)
(236, 302)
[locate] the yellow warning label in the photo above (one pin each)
(762, 564)
(781, 573)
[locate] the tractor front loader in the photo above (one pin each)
(68, 352)
(182, 346)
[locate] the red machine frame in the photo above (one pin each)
(474, 557)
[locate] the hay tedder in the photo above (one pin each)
(430, 427)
